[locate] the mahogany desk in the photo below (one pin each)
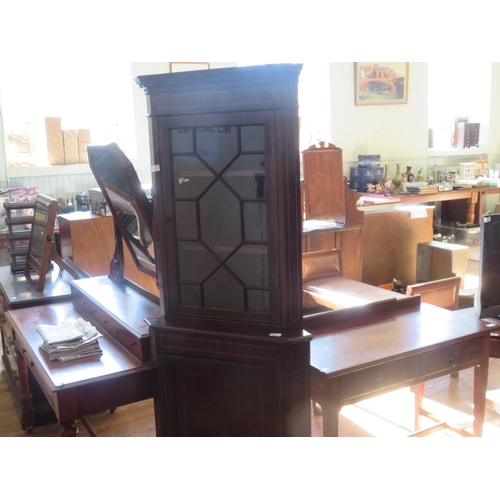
(81, 387)
(390, 345)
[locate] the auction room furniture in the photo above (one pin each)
(89, 240)
(437, 260)
(442, 293)
(323, 182)
(231, 355)
(391, 345)
(77, 388)
(461, 205)
(18, 216)
(390, 240)
(326, 224)
(17, 293)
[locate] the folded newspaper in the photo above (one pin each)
(72, 339)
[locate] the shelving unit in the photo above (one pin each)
(18, 236)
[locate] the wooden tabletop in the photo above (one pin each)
(114, 361)
(336, 349)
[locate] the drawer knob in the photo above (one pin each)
(378, 378)
(453, 358)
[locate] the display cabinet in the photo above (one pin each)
(231, 354)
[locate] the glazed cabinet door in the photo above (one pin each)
(220, 213)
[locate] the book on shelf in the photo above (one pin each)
(72, 339)
(422, 190)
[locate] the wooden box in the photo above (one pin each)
(437, 260)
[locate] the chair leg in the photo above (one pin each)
(418, 389)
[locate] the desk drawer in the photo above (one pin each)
(377, 378)
(445, 358)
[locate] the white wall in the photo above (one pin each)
(393, 131)
(397, 132)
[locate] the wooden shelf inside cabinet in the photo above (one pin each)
(18, 236)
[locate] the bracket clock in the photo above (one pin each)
(231, 354)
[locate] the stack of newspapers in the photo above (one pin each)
(72, 339)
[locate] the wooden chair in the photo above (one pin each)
(442, 293)
(319, 265)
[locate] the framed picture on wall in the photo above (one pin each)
(176, 67)
(381, 83)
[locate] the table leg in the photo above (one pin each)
(68, 429)
(480, 387)
(327, 397)
(25, 396)
(67, 412)
(418, 390)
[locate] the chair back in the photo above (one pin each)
(443, 293)
(319, 265)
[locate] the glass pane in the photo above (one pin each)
(258, 300)
(182, 140)
(255, 221)
(191, 177)
(195, 262)
(247, 176)
(222, 291)
(191, 295)
(252, 138)
(185, 218)
(249, 263)
(220, 219)
(218, 146)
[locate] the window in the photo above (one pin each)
(314, 102)
(85, 95)
(458, 92)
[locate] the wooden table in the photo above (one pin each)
(390, 345)
(81, 387)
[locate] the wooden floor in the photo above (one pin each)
(385, 416)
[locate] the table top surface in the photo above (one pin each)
(115, 361)
(338, 292)
(19, 292)
(336, 350)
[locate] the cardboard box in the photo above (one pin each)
(83, 136)
(70, 146)
(437, 260)
(55, 141)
